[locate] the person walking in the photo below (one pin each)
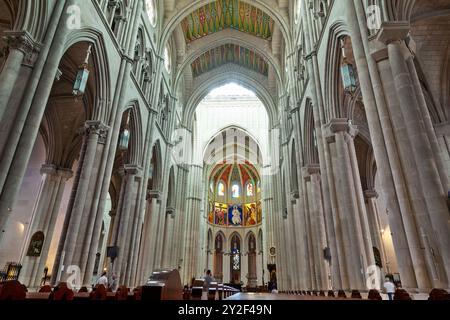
(103, 280)
(389, 288)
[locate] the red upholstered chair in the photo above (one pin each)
(402, 294)
(374, 295)
(439, 294)
(12, 290)
(61, 293)
(341, 294)
(356, 294)
(122, 293)
(99, 293)
(45, 289)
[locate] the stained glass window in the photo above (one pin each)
(236, 260)
(151, 11)
(221, 189)
(167, 62)
(249, 189)
(235, 192)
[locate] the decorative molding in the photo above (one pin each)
(393, 31)
(98, 128)
(339, 125)
(24, 42)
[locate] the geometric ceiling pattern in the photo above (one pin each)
(230, 173)
(230, 53)
(223, 14)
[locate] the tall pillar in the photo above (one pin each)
(17, 152)
(124, 221)
(44, 220)
(318, 224)
(79, 211)
(20, 45)
(349, 212)
(429, 198)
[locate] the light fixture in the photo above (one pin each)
(79, 86)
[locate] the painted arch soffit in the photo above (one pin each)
(225, 14)
(229, 54)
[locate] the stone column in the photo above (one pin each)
(330, 201)
(147, 249)
(44, 220)
(425, 120)
(308, 238)
(20, 45)
(168, 245)
(16, 154)
(73, 239)
(180, 202)
(191, 227)
(318, 224)
(349, 213)
(374, 223)
(124, 220)
(429, 202)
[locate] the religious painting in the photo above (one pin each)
(235, 215)
(259, 212)
(210, 212)
(220, 212)
(36, 244)
(249, 189)
(250, 215)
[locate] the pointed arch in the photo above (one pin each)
(136, 147)
(102, 86)
(155, 177)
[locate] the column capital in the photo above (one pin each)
(393, 31)
(49, 169)
(309, 170)
(370, 194)
(154, 194)
(65, 173)
(442, 129)
(98, 128)
(24, 42)
(170, 211)
(132, 169)
(339, 125)
(54, 170)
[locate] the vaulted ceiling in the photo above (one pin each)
(223, 14)
(229, 53)
(227, 40)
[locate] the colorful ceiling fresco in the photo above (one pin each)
(230, 53)
(223, 14)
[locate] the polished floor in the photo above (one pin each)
(270, 296)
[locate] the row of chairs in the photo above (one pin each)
(14, 290)
(400, 294)
(215, 291)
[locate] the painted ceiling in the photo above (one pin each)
(230, 53)
(235, 172)
(223, 14)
